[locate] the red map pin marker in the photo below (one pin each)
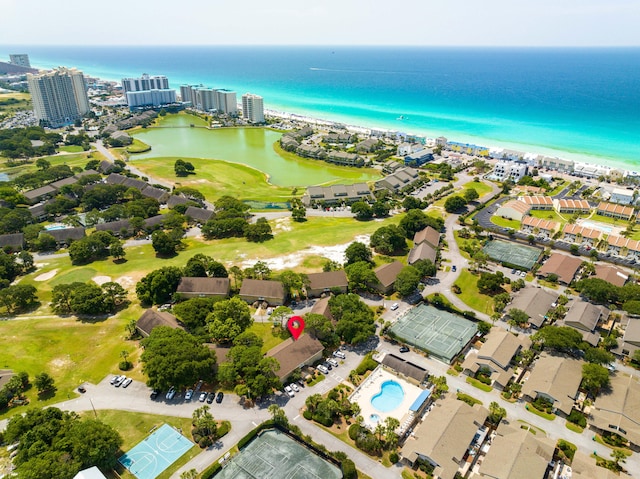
(296, 326)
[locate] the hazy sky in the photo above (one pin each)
(321, 22)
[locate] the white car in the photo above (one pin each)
(127, 382)
(289, 391)
(203, 396)
(394, 306)
(322, 369)
(333, 362)
(339, 354)
(170, 393)
(295, 387)
(188, 395)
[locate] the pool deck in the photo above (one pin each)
(372, 386)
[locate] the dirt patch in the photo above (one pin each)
(46, 276)
(100, 280)
(60, 364)
(282, 224)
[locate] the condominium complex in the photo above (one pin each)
(20, 59)
(252, 108)
(59, 96)
(145, 82)
(210, 99)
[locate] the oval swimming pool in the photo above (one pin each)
(390, 396)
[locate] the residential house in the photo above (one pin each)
(65, 236)
(617, 409)
(508, 170)
(535, 302)
(133, 183)
(70, 180)
(622, 196)
(391, 166)
(557, 164)
(585, 467)
(555, 378)
(272, 292)
(337, 194)
(311, 151)
(198, 215)
(115, 179)
(611, 274)
(321, 306)
(563, 266)
(293, 354)
(537, 202)
(106, 167)
(367, 146)
(515, 453)
(327, 282)
(175, 200)
(513, 209)
(425, 245)
(156, 193)
(154, 223)
(12, 242)
(612, 210)
(409, 370)
(419, 158)
(398, 181)
(630, 339)
(152, 319)
(39, 211)
(344, 158)
(495, 356)
(569, 206)
(585, 317)
(539, 226)
(118, 228)
(39, 194)
(445, 436)
(387, 274)
(620, 246)
(577, 234)
(339, 138)
(195, 287)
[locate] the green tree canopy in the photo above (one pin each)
(407, 281)
(158, 286)
(357, 251)
(594, 377)
(559, 338)
(454, 204)
(355, 322)
(229, 318)
(173, 357)
(388, 240)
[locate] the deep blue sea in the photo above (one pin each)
(575, 103)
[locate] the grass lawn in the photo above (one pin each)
(8, 106)
(470, 294)
(318, 378)
(481, 187)
(557, 189)
(599, 440)
(477, 384)
(574, 427)
(505, 222)
(72, 149)
(70, 350)
(548, 215)
(263, 331)
(531, 408)
(137, 146)
(474, 243)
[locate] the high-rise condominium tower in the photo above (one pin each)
(252, 108)
(59, 96)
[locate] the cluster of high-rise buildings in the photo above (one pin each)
(148, 91)
(210, 99)
(59, 96)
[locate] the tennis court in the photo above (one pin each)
(441, 333)
(274, 455)
(512, 254)
(155, 453)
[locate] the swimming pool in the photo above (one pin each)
(55, 226)
(389, 398)
(597, 226)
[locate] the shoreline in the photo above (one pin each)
(322, 118)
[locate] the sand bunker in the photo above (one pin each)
(282, 224)
(127, 282)
(333, 253)
(46, 276)
(100, 280)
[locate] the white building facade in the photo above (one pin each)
(145, 82)
(59, 96)
(253, 108)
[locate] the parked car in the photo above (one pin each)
(295, 387)
(188, 395)
(404, 349)
(210, 397)
(394, 306)
(199, 385)
(154, 394)
(114, 380)
(333, 362)
(203, 396)
(82, 389)
(127, 382)
(120, 381)
(339, 354)
(328, 366)
(219, 397)
(454, 268)
(289, 391)
(171, 393)
(322, 369)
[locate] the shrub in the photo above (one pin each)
(223, 429)
(307, 414)
(205, 442)
(349, 470)
(325, 421)
(576, 417)
(211, 471)
(367, 364)
(125, 365)
(354, 431)
(394, 457)
(567, 448)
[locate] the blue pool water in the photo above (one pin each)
(55, 227)
(597, 226)
(389, 397)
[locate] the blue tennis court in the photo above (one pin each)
(155, 453)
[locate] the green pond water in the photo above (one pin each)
(249, 146)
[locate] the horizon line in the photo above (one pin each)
(319, 45)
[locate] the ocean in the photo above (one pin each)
(576, 103)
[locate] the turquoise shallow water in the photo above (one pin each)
(577, 103)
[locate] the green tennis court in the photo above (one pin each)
(274, 455)
(512, 254)
(441, 333)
